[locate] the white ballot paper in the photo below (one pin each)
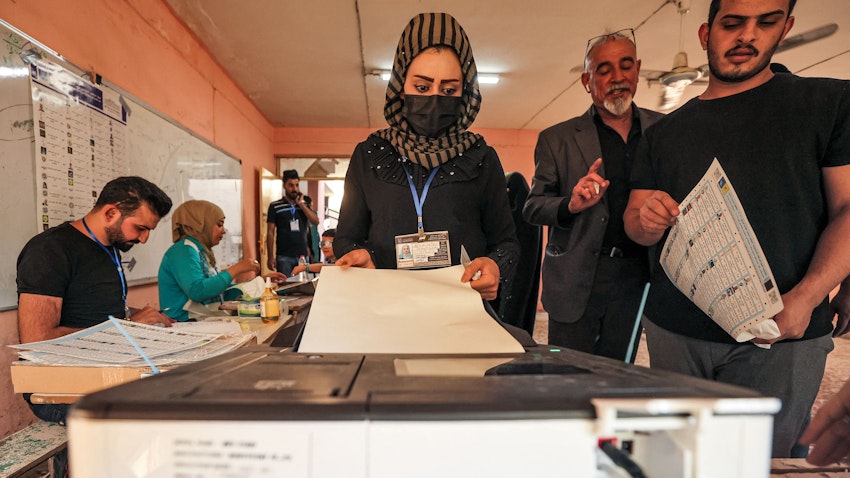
(713, 256)
(105, 345)
(401, 311)
(251, 288)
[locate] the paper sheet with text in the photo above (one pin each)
(105, 345)
(713, 257)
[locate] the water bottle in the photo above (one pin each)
(302, 276)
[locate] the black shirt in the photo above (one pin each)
(289, 243)
(773, 142)
(617, 157)
(64, 262)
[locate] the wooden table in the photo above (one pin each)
(265, 333)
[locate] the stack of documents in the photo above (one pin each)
(105, 345)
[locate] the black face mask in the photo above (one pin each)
(430, 115)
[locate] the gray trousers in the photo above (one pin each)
(789, 371)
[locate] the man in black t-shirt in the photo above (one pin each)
(784, 144)
(70, 277)
(290, 218)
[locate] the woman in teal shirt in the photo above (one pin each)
(188, 270)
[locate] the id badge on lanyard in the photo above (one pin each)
(423, 249)
(431, 250)
(294, 226)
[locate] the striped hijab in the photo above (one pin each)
(426, 30)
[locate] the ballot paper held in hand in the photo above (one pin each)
(713, 256)
(401, 311)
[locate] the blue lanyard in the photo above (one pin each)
(115, 260)
(419, 201)
(292, 210)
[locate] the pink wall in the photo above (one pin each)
(141, 47)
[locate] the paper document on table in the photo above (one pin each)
(399, 311)
(216, 326)
(105, 343)
(213, 348)
(251, 288)
(713, 256)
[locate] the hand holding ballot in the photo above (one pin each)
(652, 212)
(488, 284)
(356, 258)
(713, 257)
(482, 274)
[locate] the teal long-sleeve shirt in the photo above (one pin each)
(184, 274)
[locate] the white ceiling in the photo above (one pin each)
(302, 62)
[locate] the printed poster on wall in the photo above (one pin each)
(80, 142)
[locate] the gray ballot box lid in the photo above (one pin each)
(269, 383)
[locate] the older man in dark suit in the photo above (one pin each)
(593, 274)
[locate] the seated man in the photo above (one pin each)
(327, 247)
(70, 276)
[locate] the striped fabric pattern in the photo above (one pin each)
(426, 30)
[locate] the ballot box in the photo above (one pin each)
(274, 412)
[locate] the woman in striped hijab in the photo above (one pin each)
(428, 153)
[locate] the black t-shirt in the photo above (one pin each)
(289, 243)
(772, 141)
(64, 262)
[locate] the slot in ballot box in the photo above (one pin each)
(271, 412)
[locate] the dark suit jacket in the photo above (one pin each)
(563, 154)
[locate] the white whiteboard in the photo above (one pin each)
(183, 165)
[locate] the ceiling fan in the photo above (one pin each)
(675, 80)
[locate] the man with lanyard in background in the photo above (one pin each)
(70, 276)
(290, 217)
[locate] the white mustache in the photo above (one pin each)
(617, 86)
